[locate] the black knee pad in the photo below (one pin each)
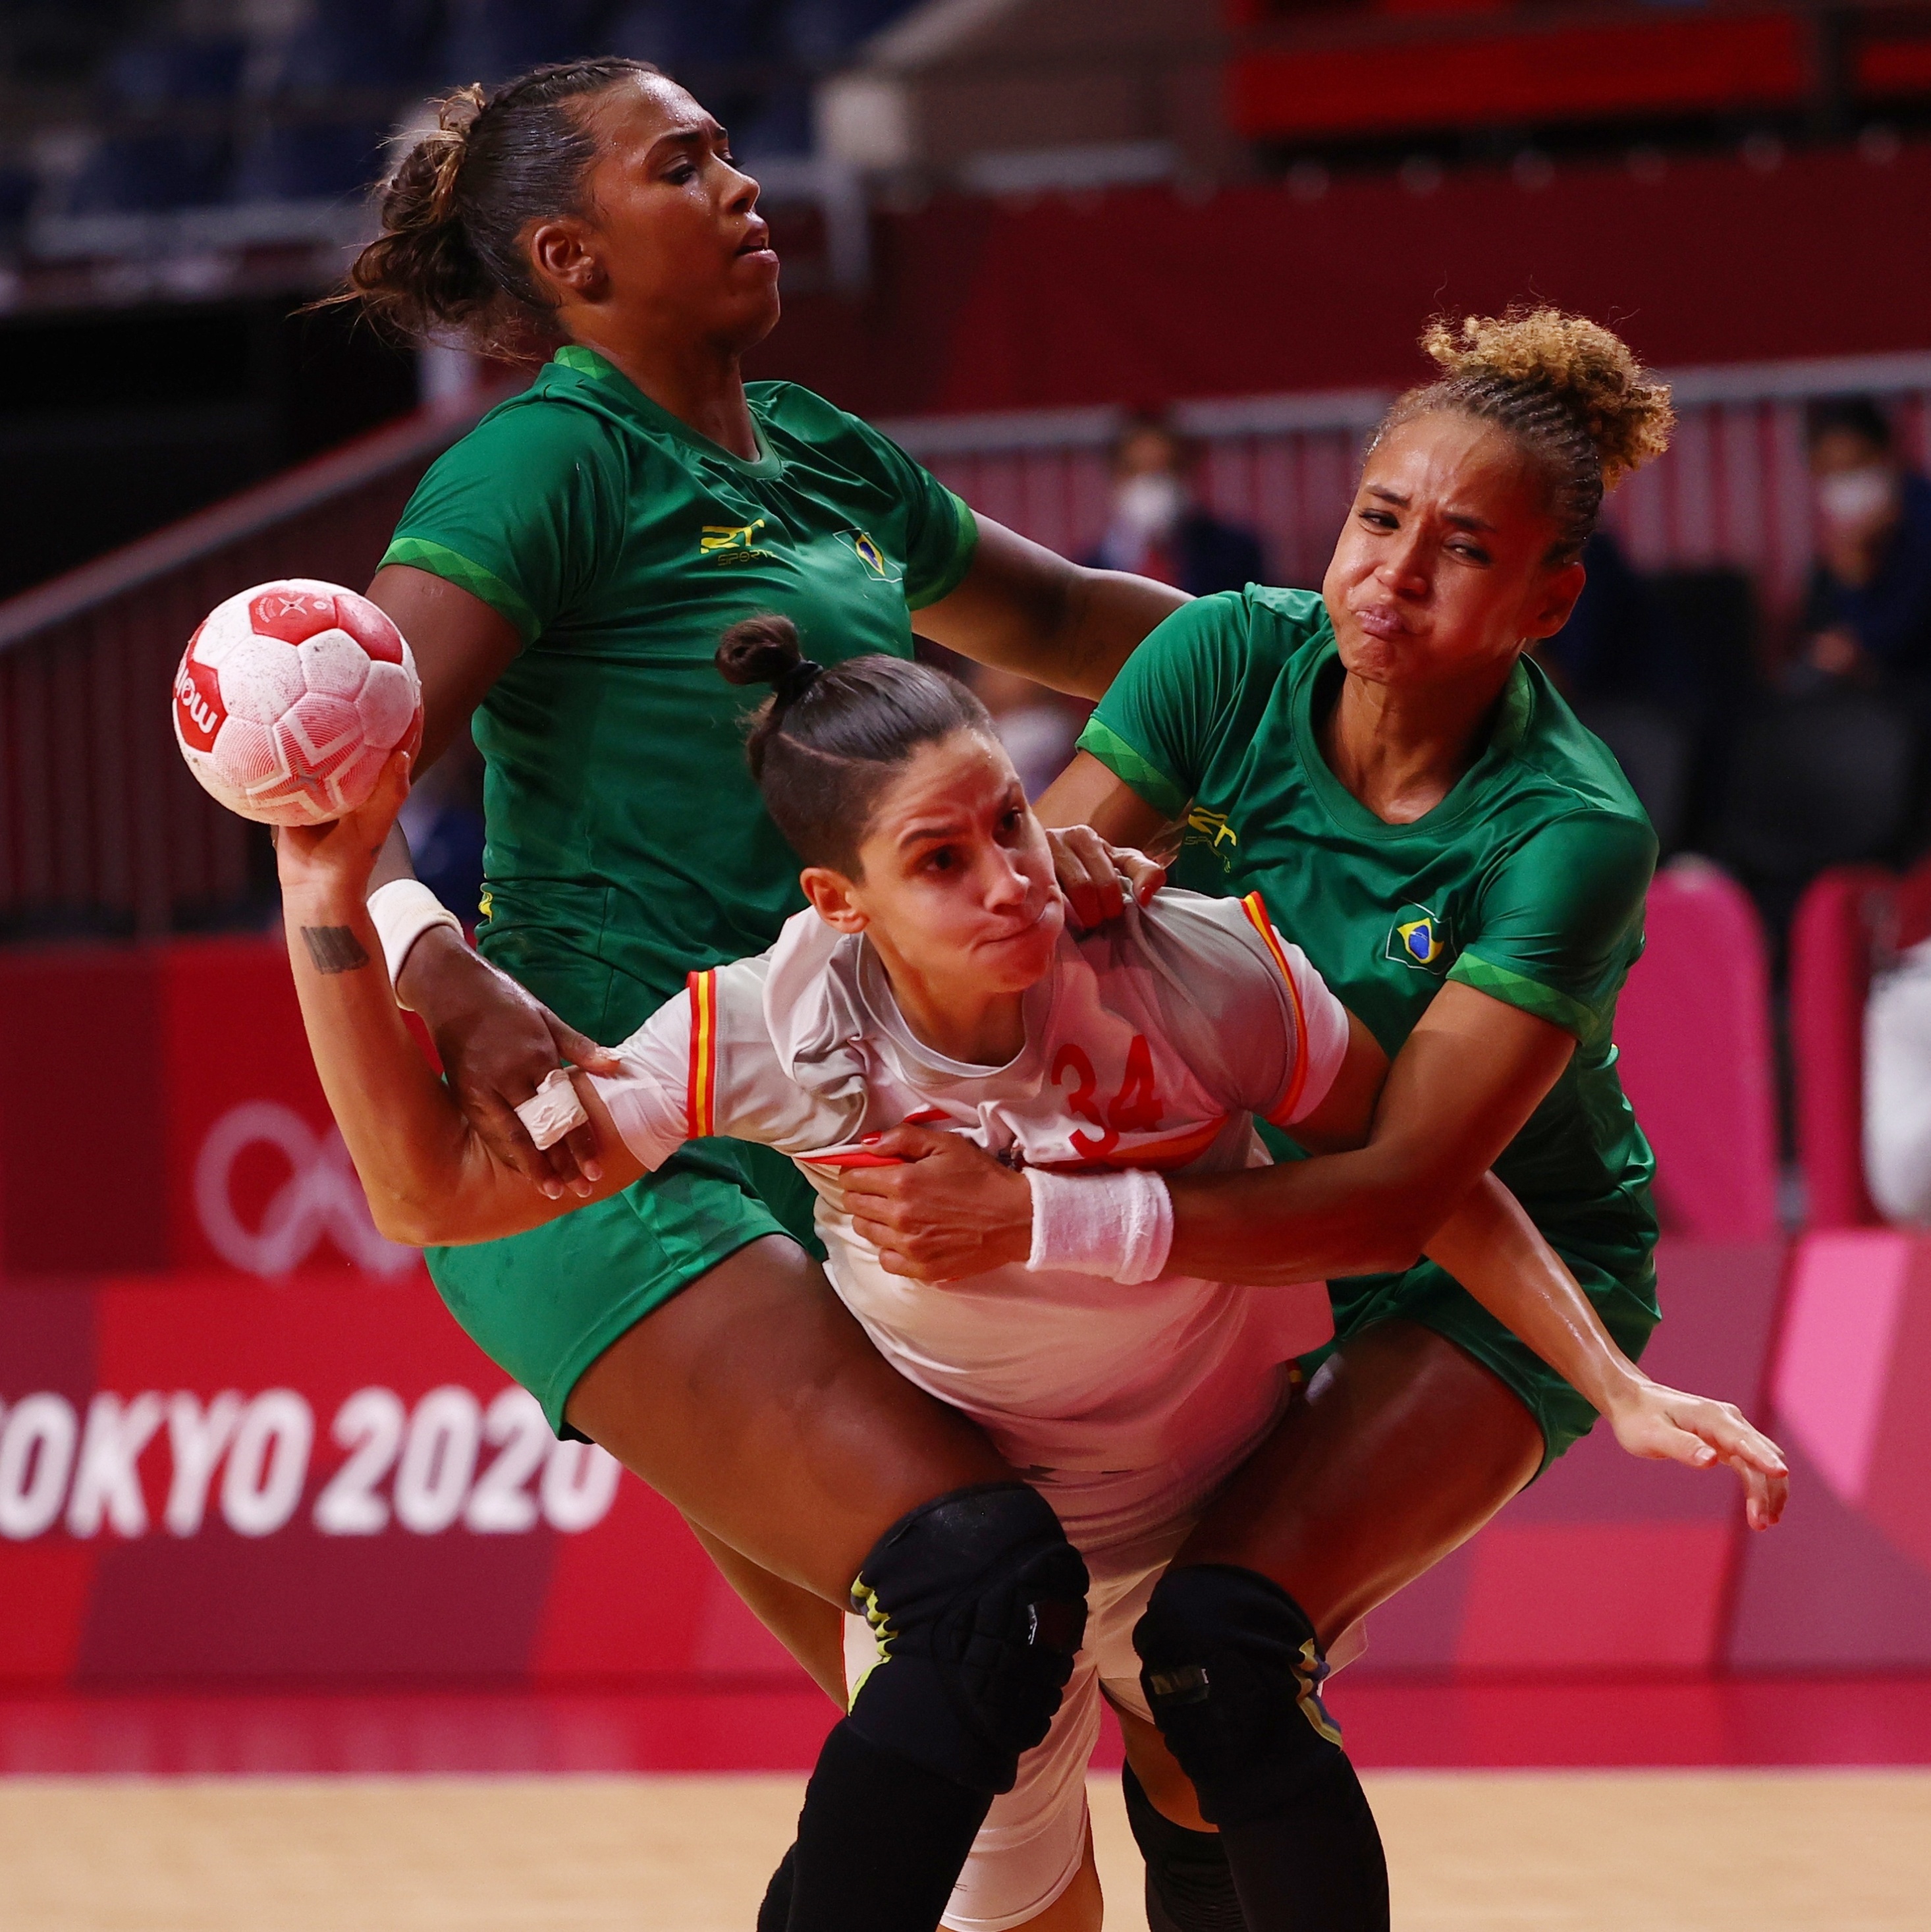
(1232, 1670)
(978, 1603)
(1189, 1883)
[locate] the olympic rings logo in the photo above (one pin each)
(321, 1198)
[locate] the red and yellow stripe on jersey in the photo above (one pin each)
(701, 1101)
(1256, 910)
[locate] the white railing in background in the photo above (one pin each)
(1734, 489)
(102, 829)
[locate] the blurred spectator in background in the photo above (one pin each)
(1624, 663)
(1897, 1088)
(442, 819)
(1621, 644)
(1159, 530)
(1867, 615)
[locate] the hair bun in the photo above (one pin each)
(760, 650)
(1623, 410)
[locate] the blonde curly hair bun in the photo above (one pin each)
(1572, 392)
(1624, 411)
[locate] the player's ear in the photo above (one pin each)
(1559, 591)
(832, 899)
(560, 252)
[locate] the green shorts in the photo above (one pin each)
(543, 1306)
(1437, 1301)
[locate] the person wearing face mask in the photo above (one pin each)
(1158, 530)
(1867, 614)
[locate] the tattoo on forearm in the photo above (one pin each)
(334, 949)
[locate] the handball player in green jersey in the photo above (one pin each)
(563, 574)
(1466, 866)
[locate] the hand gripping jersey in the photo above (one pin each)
(1153, 1042)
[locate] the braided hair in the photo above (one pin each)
(450, 260)
(827, 742)
(1570, 392)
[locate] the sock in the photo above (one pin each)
(1315, 1863)
(881, 1841)
(1189, 1888)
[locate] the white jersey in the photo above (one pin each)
(1154, 1041)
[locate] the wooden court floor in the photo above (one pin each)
(1631, 1852)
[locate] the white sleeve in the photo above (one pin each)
(1897, 1089)
(649, 1100)
(1244, 1007)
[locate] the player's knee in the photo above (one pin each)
(978, 1603)
(1232, 1670)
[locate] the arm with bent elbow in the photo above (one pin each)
(430, 1178)
(1461, 1089)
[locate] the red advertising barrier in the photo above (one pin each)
(203, 1478)
(1606, 1563)
(158, 1109)
(242, 1442)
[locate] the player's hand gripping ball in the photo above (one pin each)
(291, 697)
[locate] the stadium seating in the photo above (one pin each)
(1693, 1027)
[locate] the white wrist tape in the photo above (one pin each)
(403, 910)
(1119, 1225)
(552, 1110)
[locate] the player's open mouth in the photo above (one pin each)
(757, 242)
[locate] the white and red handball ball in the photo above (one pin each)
(290, 698)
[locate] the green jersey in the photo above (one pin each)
(1526, 882)
(627, 844)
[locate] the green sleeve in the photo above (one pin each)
(941, 531)
(1561, 922)
(520, 513)
(1157, 728)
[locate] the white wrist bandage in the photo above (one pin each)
(552, 1110)
(403, 910)
(1119, 1225)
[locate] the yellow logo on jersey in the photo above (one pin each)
(1210, 829)
(1212, 825)
(731, 543)
(1419, 938)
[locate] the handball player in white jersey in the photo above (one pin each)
(934, 979)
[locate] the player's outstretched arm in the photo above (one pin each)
(429, 1177)
(1492, 1248)
(1023, 608)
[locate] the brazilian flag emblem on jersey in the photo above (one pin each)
(869, 554)
(1419, 938)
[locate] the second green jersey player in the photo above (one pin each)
(1526, 882)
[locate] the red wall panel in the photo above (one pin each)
(1522, 78)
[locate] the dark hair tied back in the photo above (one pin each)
(450, 259)
(827, 742)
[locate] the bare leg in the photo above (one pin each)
(753, 1402)
(802, 1622)
(1402, 1449)
(1165, 1783)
